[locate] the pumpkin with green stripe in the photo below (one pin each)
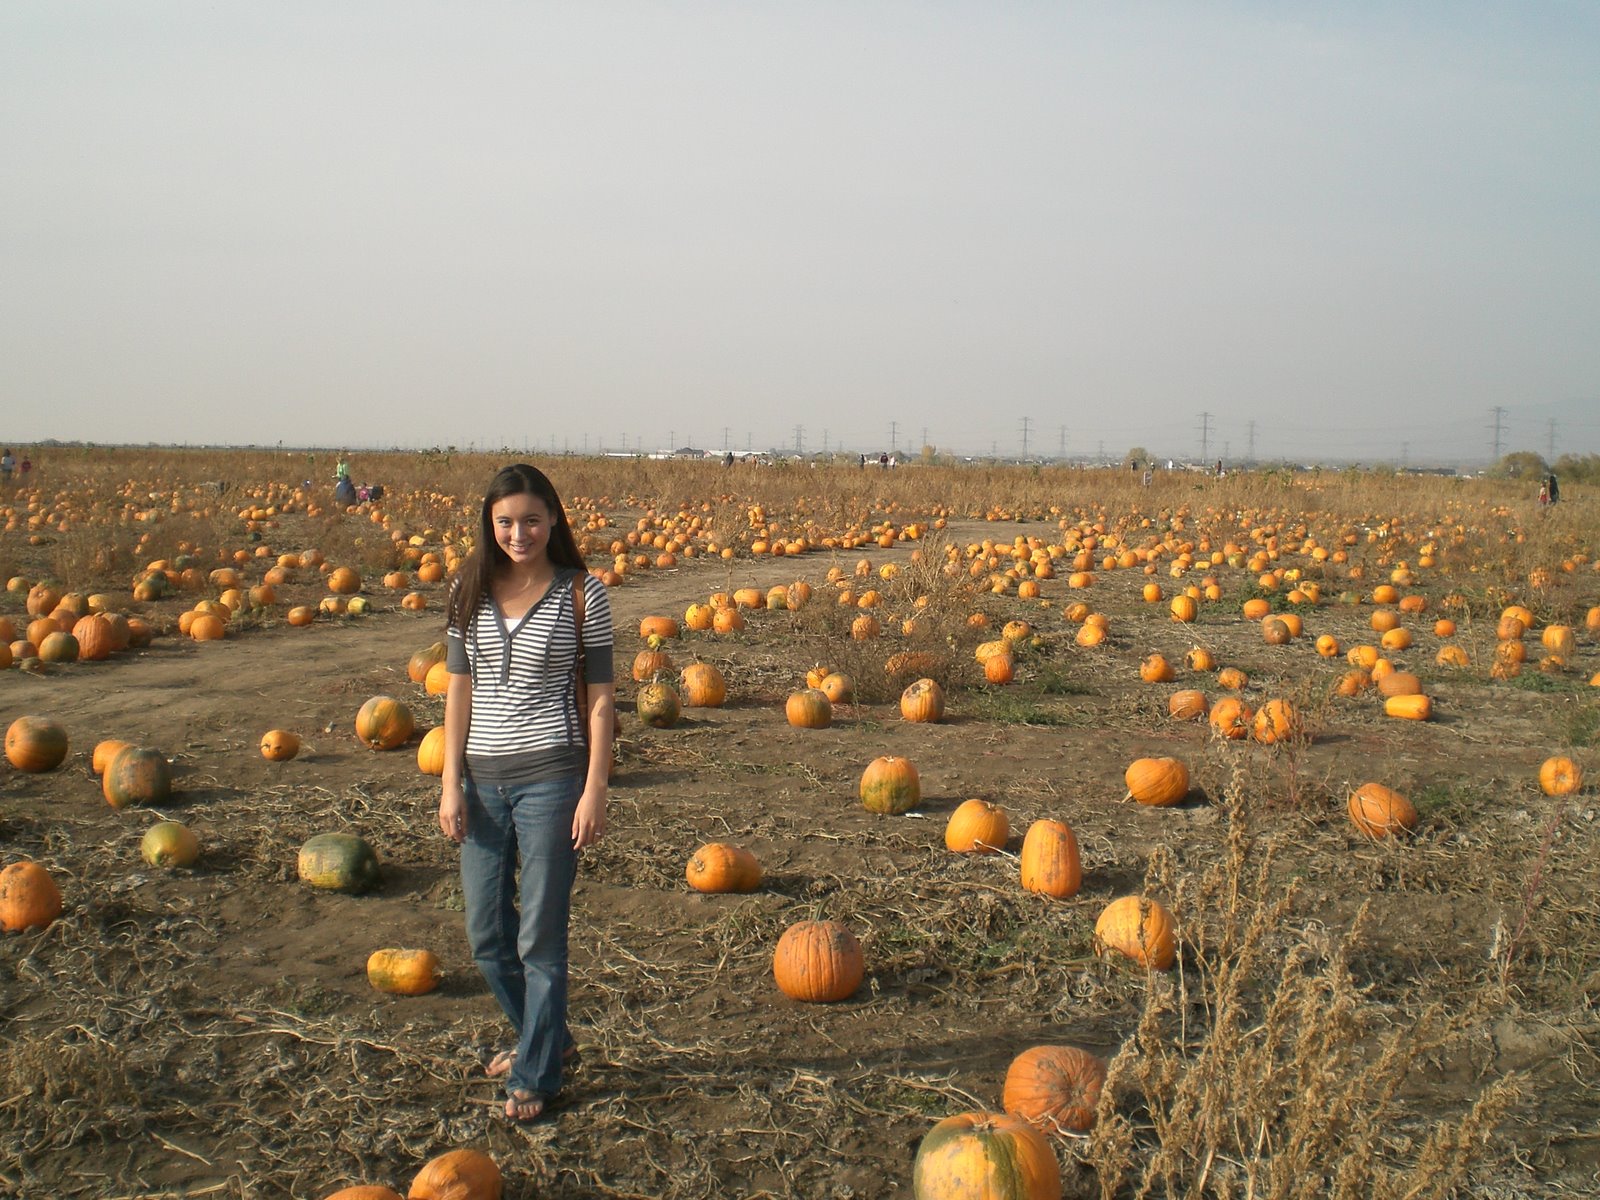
(985, 1156)
(339, 862)
(137, 775)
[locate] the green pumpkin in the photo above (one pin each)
(339, 862)
(137, 775)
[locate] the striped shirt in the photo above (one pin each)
(525, 725)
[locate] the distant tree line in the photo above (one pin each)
(1569, 468)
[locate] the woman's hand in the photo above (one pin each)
(589, 822)
(453, 812)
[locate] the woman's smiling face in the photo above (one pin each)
(521, 528)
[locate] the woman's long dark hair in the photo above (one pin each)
(472, 584)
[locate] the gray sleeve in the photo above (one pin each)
(455, 653)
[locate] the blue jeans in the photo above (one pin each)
(523, 956)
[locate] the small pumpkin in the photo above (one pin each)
(718, 867)
(648, 664)
(458, 1175)
(808, 709)
(169, 844)
(661, 627)
(838, 687)
(365, 1191)
(977, 827)
(1230, 717)
(1159, 782)
(1001, 668)
(658, 706)
(922, 702)
(437, 681)
(1140, 929)
(137, 775)
(1054, 1088)
(430, 752)
(1379, 811)
(985, 1156)
(1188, 704)
(279, 745)
(1233, 679)
(1156, 669)
(29, 897)
(890, 785)
(339, 862)
(383, 723)
(404, 972)
(818, 962)
(1050, 862)
(1560, 776)
(1277, 721)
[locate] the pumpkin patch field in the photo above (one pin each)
(974, 831)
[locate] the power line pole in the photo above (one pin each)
(1205, 436)
(924, 435)
(894, 433)
(799, 439)
(1024, 437)
(824, 442)
(1497, 427)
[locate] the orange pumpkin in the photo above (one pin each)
(1054, 1088)
(718, 867)
(809, 709)
(1379, 811)
(1277, 721)
(662, 627)
(977, 827)
(1140, 929)
(1001, 668)
(458, 1175)
(1188, 704)
(922, 702)
(1560, 776)
(384, 723)
(365, 1191)
(1230, 718)
(1159, 782)
(279, 745)
(423, 661)
(104, 752)
(344, 581)
(703, 686)
(838, 687)
(35, 744)
(1156, 669)
(1050, 862)
(983, 1156)
(1409, 708)
(403, 972)
(430, 752)
(648, 664)
(658, 705)
(29, 897)
(890, 785)
(818, 962)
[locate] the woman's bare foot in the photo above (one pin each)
(524, 1107)
(501, 1064)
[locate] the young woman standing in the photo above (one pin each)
(525, 775)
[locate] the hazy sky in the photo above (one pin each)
(1362, 227)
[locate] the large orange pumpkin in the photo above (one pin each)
(1050, 863)
(29, 898)
(1156, 781)
(1188, 704)
(818, 961)
(1277, 721)
(719, 867)
(35, 744)
(1560, 776)
(1140, 929)
(1379, 811)
(703, 686)
(985, 1156)
(1054, 1088)
(890, 785)
(384, 723)
(95, 637)
(458, 1175)
(922, 701)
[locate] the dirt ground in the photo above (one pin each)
(211, 1032)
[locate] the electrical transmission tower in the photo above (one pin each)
(799, 439)
(1497, 428)
(894, 435)
(1024, 437)
(1205, 436)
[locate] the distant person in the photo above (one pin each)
(341, 469)
(8, 464)
(344, 492)
(883, 460)
(1148, 476)
(1550, 482)
(894, 460)
(1169, 464)
(1219, 468)
(863, 463)
(1544, 492)
(27, 465)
